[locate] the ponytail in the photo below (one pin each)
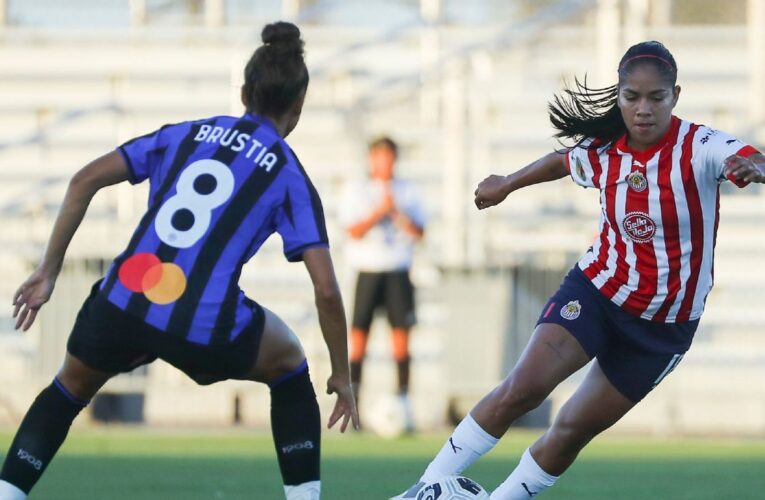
(586, 112)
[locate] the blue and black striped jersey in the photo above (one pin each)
(219, 187)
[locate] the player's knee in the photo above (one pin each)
(291, 357)
(519, 394)
(571, 433)
(279, 355)
(358, 345)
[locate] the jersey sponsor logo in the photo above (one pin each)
(571, 311)
(25, 456)
(639, 164)
(712, 132)
(637, 181)
(307, 445)
(639, 227)
(181, 221)
(580, 170)
(161, 282)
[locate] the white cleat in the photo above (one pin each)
(411, 492)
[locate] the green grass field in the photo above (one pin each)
(129, 464)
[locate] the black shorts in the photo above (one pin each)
(634, 353)
(393, 290)
(107, 338)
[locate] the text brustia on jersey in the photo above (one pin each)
(238, 141)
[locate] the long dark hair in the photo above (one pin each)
(276, 74)
(584, 112)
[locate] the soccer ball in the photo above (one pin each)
(389, 417)
(453, 488)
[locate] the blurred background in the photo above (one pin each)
(462, 85)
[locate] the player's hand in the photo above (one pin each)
(743, 169)
(345, 407)
(30, 296)
(388, 204)
(491, 191)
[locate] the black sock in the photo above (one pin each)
(356, 379)
(296, 426)
(40, 435)
(402, 367)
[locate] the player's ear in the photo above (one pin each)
(675, 95)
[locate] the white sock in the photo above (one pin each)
(468, 442)
(10, 492)
(304, 491)
(526, 481)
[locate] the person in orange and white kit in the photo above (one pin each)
(384, 218)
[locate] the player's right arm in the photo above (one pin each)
(360, 228)
(494, 189)
(37, 289)
(329, 304)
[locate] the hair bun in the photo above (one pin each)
(282, 33)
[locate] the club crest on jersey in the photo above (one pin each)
(637, 181)
(571, 310)
(580, 170)
(639, 227)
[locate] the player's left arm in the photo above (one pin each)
(329, 305)
(37, 289)
(746, 169)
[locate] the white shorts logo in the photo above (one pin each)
(571, 310)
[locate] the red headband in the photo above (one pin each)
(647, 55)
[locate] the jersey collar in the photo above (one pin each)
(260, 120)
(622, 148)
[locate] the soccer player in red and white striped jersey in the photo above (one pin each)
(634, 300)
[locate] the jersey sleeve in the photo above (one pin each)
(579, 165)
(714, 146)
(300, 218)
(143, 153)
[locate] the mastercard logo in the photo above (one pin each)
(161, 282)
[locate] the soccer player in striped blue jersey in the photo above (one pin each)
(219, 187)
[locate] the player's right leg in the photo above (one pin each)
(295, 418)
(550, 357)
(46, 425)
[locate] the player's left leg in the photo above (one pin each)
(400, 305)
(46, 425)
(594, 407)
(295, 418)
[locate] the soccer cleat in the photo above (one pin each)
(411, 492)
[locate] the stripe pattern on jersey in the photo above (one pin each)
(667, 276)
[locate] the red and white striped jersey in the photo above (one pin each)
(659, 216)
